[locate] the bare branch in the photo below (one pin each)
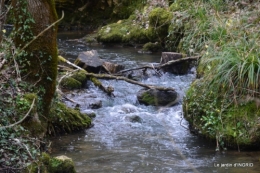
(106, 76)
(2, 63)
(179, 60)
(192, 58)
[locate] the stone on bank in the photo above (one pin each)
(48, 164)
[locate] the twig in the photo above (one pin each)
(2, 63)
(65, 68)
(23, 145)
(27, 114)
(156, 70)
(138, 68)
(59, 91)
(63, 95)
(181, 122)
(16, 67)
(69, 99)
(68, 62)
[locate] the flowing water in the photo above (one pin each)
(129, 137)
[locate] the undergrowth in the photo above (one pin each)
(226, 35)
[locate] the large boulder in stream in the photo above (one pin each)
(157, 98)
(179, 68)
(91, 62)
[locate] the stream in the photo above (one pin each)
(128, 137)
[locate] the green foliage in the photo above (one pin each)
(214, 115)
(16, 149)
(126, 8)
(19, 134)
(230, 85)
(23, 21)
(236, 67)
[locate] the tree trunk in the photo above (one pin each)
(2, 18)
(38, 62)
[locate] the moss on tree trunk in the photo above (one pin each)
(39, 62)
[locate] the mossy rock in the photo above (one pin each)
(156, 97)
(153, 47)
(159, 21)
(61, 164)
(123, 32)
(75, 81)
(112, 33)
(235, 125)
(127, 31)
(65, 120)
(70, 83)
(47, 164)
(137, 34)
(80, 76)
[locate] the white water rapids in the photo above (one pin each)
(128, 137)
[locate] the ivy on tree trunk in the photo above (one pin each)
(38, 61)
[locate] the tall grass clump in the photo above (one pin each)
(237, 67)
(231, 57)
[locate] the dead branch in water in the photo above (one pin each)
(137, 68)
(93, 77)
(158, 67)
(192, 58)
(106, 76)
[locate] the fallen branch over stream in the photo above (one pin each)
(192, 58)
(106, 76)
(96, 82)
(93, 77)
